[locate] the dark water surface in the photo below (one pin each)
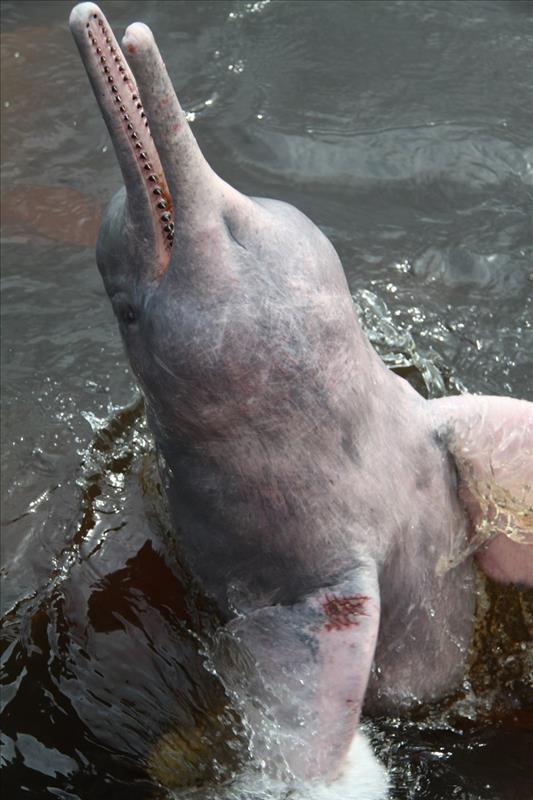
(405, 130)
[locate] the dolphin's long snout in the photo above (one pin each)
(120, 103)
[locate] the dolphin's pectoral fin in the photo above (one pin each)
(491, 441)
(303, 671)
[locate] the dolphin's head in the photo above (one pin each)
(217, 294)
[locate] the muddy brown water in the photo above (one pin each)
(405, 130)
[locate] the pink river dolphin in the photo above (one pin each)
(331, 511)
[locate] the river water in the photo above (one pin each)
(403, 129)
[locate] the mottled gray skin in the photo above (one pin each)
(297, 466)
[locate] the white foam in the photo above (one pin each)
(363, 778)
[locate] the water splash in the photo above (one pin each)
(396, 345)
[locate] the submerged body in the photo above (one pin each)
(316, 496)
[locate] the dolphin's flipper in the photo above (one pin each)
(309, 664)
(491, 441)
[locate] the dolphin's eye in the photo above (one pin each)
(128, 315)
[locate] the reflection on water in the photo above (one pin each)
(403, 130)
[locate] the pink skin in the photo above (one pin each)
(314, 492)
(317, 727)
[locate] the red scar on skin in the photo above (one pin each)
(342, 612)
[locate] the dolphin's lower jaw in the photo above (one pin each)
(118, 96)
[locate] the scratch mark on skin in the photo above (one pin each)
(343, 612)
(162, 364)
(223, 321)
